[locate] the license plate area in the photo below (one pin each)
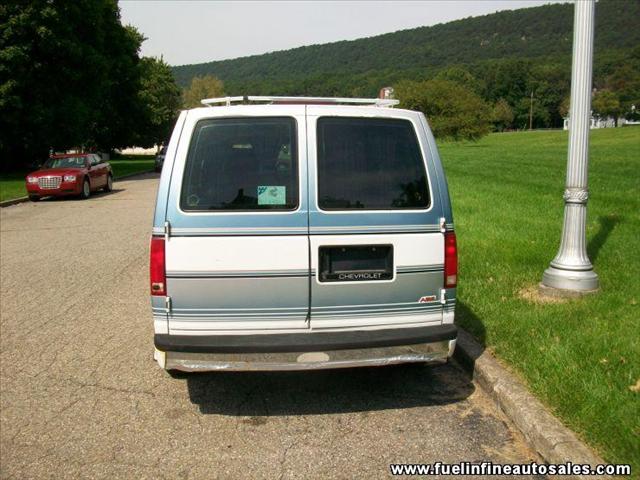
(355, 263)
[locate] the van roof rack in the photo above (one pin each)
(227, 101)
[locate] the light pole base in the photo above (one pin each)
(568, 283)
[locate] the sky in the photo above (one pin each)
(185, 32)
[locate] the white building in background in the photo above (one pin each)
(597, 122)
(605, 122)
(139, 150)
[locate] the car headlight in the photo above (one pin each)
(69, 178)
(32, 179)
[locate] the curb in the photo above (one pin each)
(554, 442)
(134, 175)
(15, 201)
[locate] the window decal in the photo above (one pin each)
(272, 195)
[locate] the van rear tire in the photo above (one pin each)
(34, 198)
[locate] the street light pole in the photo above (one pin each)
(531, 112)
(571, 269)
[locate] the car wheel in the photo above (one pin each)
(109, 186)
(86, 189)
(34, 198)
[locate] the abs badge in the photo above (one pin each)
(427, 299)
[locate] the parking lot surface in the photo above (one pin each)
(80, 395)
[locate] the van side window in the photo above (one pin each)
(370, 163)
(242, 164)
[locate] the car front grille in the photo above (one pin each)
(49, 182)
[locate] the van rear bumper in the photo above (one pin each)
(305, 351)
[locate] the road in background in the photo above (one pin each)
(81, 397)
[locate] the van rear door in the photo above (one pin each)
(377, 249)
(237, 254)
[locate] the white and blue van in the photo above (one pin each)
(302, 233)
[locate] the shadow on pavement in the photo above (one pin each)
(473, 338)
(71, 198)
(342, 390)
(467, 319)
(328, 391)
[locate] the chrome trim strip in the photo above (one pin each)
(301, 230)
(375, 229)
(239, 231)
(274, 309)
(324, 316)
(368, 305)
(418, 307)
(287, 273)
(382, 309)
(436, 352)
(419, 268)
(236, 316)
(374, 315)
(239, 274)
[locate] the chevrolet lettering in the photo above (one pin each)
(360, 276)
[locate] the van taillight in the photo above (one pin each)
(450, 260)
(157, 267)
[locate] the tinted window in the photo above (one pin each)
(368, 163)
(242, 164)
(65, 162)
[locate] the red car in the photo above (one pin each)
(76, 174)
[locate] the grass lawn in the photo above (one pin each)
(12, 184)
(131, 164)
(580, 356)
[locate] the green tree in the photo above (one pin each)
(461, 76)
(508, 79)
(454, 111)
(120, 112)
(550, 82)
(161, 99)
(206, 86)
(606, 104)
(502, 115)
(563, 108)
(68, 78)
(538, 110)
(624, 81)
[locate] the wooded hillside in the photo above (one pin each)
(361, 67)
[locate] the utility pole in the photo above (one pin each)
(531, 112)
(571, 271)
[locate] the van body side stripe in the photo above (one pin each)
(332, 230)
(239, 274)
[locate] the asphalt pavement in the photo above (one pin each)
(80, 396)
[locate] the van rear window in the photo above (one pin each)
(370, 163)
(242, 164)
